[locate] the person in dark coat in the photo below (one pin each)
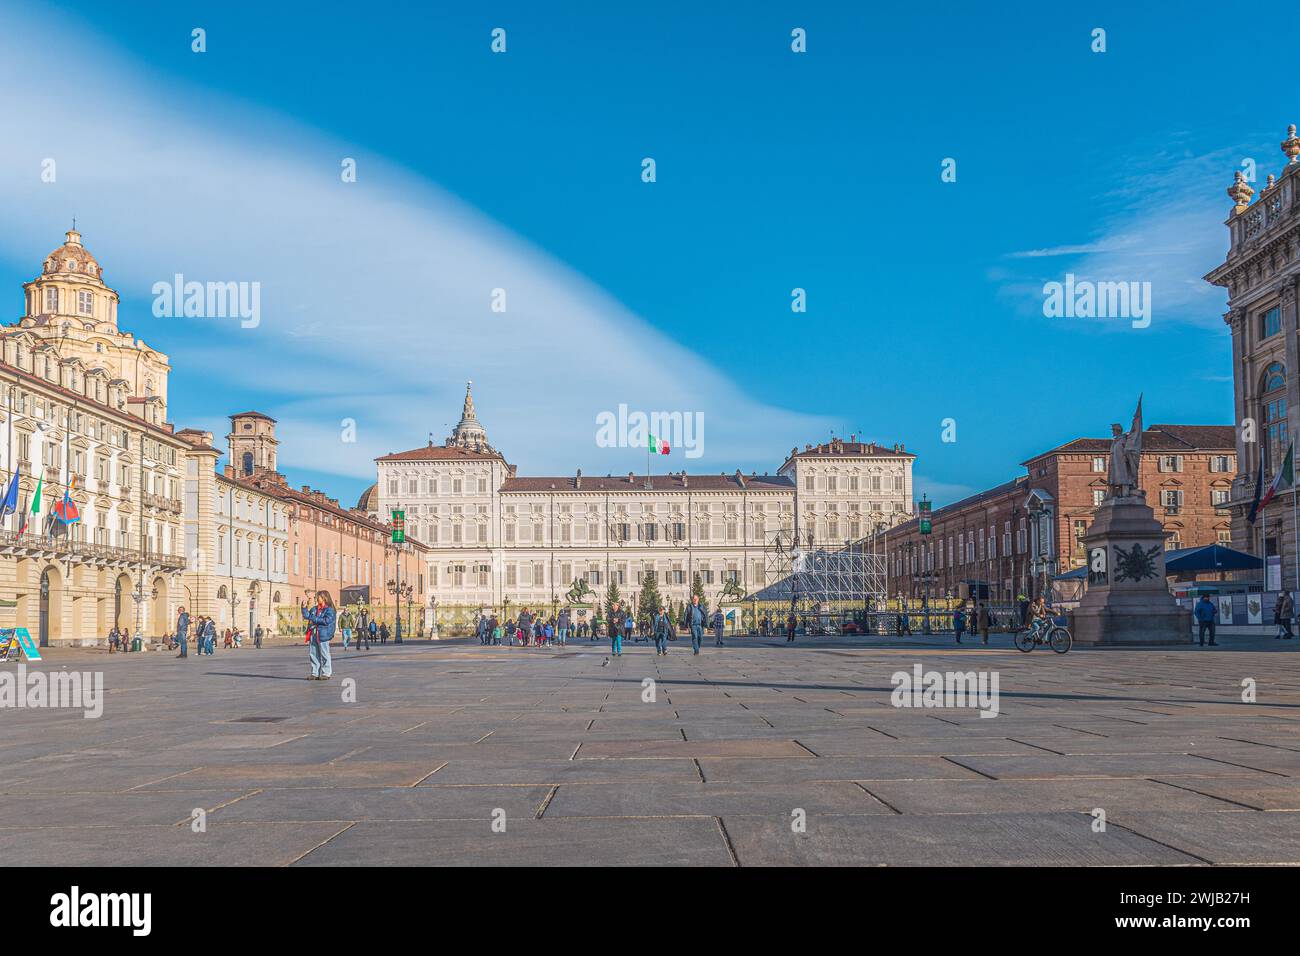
(959, 622)
(719, 626)
(182, 630)
(1206, 612)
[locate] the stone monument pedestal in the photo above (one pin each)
(1128, 600)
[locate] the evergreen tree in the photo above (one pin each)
(651, 599)
(697, 589)
(611, 597)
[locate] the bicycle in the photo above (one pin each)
(1056, 636)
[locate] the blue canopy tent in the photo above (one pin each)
(1208, 557)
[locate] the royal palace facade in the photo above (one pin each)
(500, 540)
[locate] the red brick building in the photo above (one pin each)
(1016, 535)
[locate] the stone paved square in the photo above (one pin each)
(443, 739)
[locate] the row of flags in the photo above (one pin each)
(65, 512)
(1284, 480)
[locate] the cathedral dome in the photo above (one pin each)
(72, 258)
(369, 500)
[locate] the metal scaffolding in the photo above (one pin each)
(807, 576)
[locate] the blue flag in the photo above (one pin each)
(10, 503)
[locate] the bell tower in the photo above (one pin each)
(252, 443)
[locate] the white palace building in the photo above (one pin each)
(504, 541)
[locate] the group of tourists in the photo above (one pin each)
(537, 630)
(362, 628)
(205, 635)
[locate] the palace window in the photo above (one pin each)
(1275, 415)
(85, 303)
(1221, 463)
(1270, 323)
(1099, 464)
(1171, 463)
(51, 299)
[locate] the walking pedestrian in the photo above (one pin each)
(182, 630)
(719, 625)
(695, 622)
(790, 626)
(1206, 612)
(210, 636)
(1283, 612)
(982, 619)
(322, 620)
(959, 621)
(383, 633)
(345, 625)
(616, 618)
(662, 628)
(258, 634)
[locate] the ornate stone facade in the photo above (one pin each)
(500, 540)
(85, 414)
(1260, 275)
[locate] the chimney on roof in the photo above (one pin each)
(684, 484)
(631, 478)
(902, 447)
(807, 446)
(740, 479)
(577, 482)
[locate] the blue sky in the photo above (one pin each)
(775, 171)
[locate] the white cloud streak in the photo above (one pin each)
(375, 295)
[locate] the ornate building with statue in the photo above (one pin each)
(497, 539)
(86, 417)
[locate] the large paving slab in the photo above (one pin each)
(445, 739)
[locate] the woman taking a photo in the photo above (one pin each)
(320, 629)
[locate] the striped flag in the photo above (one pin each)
(1284, 478)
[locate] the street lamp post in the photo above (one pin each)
(138, 596)
(401, 591)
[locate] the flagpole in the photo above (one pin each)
(1295, 539)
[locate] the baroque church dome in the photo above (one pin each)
(72, 258)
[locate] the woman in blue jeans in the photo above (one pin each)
(321, 620)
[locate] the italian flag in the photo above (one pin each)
(659, 446)
(36, 505)
(1284, 478)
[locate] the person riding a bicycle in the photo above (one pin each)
(1040, 616)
